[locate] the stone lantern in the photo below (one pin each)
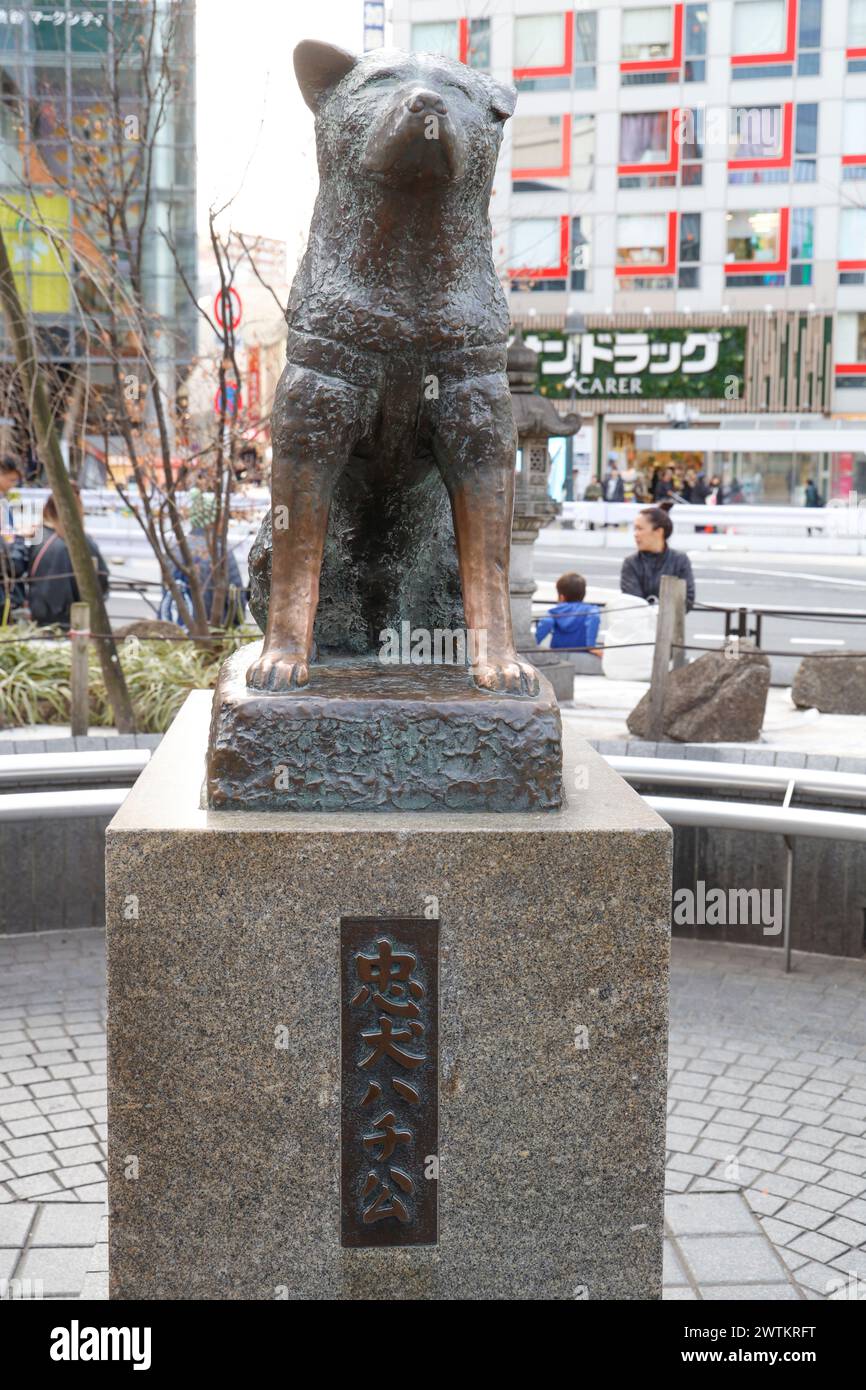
(537, 421)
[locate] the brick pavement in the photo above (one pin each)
(766, 1172)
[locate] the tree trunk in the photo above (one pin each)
(86, 578)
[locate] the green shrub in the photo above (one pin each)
(34, 678)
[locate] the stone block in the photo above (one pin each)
(554, 930)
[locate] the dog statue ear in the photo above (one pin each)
(319, 67)
(503, 99)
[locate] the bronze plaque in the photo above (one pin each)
(389, 982)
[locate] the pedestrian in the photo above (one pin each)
(663, 485)
(735, 494)
(11, 593)
(614, 488)
(813, 496)
(641, 573)
(200, 538)
(700, 491)
(10, 476)
(51, 586)
(570, 622)
(630, 481)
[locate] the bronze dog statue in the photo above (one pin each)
(395, 373)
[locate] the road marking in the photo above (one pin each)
(816, 641)
(708, 637)
(809, 578)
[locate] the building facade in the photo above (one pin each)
(57, 124)
(679, 214)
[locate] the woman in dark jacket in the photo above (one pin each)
(642, 572)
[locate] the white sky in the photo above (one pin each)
(254, 132)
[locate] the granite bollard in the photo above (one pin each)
(225, 1040)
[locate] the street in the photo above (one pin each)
(781, 580)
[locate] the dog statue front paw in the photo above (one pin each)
(278, 670)
(508, 674)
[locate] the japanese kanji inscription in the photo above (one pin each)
(390, 1079)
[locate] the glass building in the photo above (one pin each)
(72, 74)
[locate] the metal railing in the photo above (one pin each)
(57, 770)
(782, 819)
(124, 765)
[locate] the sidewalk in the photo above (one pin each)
(766, 1151)
(601, 708)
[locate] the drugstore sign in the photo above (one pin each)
(662, 363)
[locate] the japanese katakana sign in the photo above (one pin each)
(390, 1069)
(671, 363)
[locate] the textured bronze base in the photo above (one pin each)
(364, 736)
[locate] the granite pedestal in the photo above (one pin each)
(224, 1040)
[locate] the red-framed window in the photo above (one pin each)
(856, 49)
(550, 253)
(774, 144)
(758, 243)
(776, 38)
(854, 138)
(763, 138)
(659, 149)
(539, 248)
(467, 40)
(770, 247)
(852, 245)
(550, 153)
(646, 245)
(556, 51)
(850, 350)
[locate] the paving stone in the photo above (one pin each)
(680, 1143)
(677, 1182)
(764, 1203)
(87, 1173)
(679, 1293)
(798, 1168)
(848, 1183)
(774, 1293)
(62, 1271)
(35, 1186)
(736, 1118)
(33, 1163)
(690, 1163)
(799, 1214)
(790, 1257)
(16, 1219)
(93, 1192)
(71, 1138)
(818, 1246)
(781, 1233)
(723, 1215)
(73, 1223)
(843, 1162)
(849, 1232)
(95, 1286)
(673, 1272)
(731, 1259)
(683, 1124)
(818, 1277)
(695, 1111)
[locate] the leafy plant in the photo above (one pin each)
(35, 681)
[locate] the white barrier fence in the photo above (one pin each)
(841, 525)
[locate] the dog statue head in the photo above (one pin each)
(403, 119)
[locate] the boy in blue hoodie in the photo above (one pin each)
(572, 622)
